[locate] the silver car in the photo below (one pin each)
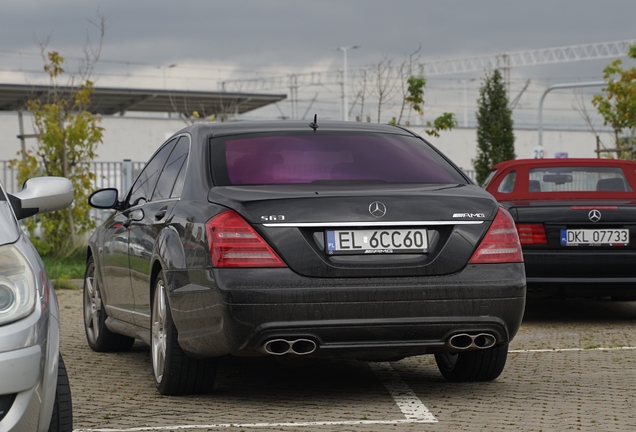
(34, 389)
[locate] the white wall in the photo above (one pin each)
(124, 138)
(137, 139)
(461, 144)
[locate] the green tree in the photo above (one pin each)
(415, 95)
(415, 100)
(68, 135)
(495, 137)
(618, 105)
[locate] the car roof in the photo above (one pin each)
(565, 162)
(240, 127)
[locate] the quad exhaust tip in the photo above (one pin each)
(284, 346)
(464, 341)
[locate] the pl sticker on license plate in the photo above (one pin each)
(376, 241)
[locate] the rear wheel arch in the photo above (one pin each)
(174, 372)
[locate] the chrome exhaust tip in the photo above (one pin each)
(464, 341)
(277, 347)
(303, 346)
(461, 341)
(283, 346)
(484, 340)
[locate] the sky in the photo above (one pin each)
(197, 44)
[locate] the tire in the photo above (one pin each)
(478, 365)
(174, 372)
(98, 336)
(62, 417)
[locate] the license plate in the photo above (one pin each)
(596, 237)
(377, 241)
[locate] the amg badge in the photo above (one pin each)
(469, 215)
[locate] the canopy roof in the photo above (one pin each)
(106, 100)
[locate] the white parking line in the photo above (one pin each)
(258, 425)
(556, 350)
(408, 402)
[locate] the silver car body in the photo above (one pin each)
(29, 345)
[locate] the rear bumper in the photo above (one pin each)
(581, 287)
(237, 311)
(580, 273)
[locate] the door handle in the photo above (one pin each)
(134, 216)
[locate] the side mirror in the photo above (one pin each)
(104, 199)
(42, 195)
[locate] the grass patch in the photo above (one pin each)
(62, 269)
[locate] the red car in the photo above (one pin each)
(576, 220)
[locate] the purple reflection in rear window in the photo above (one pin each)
(288, 159)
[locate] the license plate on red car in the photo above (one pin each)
(594, 237)
(377, 241)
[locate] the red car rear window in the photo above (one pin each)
(577, 179)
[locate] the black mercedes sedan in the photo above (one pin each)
(322, 239)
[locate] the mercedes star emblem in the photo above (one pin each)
(377, 209)
(594, 215)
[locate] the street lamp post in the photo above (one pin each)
(345, 101)
(170, 66)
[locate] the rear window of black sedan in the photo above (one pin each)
(327, 158)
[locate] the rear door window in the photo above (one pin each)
(142, 188)
(171, 170)
(328, 158)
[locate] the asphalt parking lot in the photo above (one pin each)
(571, 367)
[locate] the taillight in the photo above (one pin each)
(501, 243)
(532, 234)
(234, 243)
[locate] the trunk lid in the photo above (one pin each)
(557, 217)
(296, 220)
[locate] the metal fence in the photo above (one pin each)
(119, 175)
(8, 177)
(471, 173)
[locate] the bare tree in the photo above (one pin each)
(360, 85)
(383, 79)
(192, 113)
(579, 106)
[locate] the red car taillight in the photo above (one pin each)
(234, 243)
(532, 234)
(501, 243)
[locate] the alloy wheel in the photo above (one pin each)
(92, 305)
(159, 331)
